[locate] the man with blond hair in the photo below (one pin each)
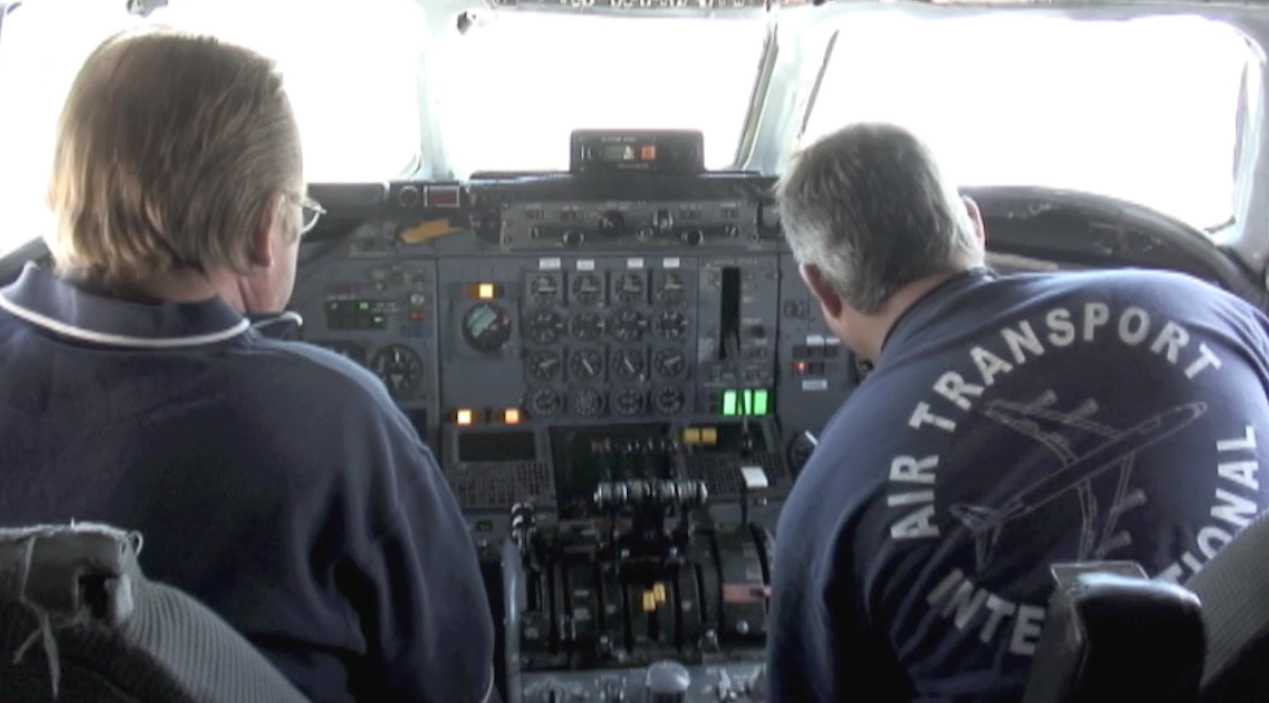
(275, 481)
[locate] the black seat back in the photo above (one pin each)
(79, 622)
(1115, 637)
(1234, 588)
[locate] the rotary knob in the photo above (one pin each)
(408, 197)
(612, 224)
(573, 238)
(692, 237)
(667, 682)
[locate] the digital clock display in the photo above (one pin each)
(646, 151)
(625, 153)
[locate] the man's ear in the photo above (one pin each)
(976, 217)
(830, 300)
(260, 246)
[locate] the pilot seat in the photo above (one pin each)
(1114, 637)
(80, 622)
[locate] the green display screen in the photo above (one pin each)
(746, 401)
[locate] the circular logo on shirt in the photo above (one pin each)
(1088, 479)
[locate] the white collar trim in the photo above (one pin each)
(119, 340)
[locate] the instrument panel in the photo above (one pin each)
(537, 311)
(620, 380)
(621, 377)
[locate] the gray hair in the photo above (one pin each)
(869, 207)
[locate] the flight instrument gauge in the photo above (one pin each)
(545, 365)
(586, 402)
(668, 400)
(628, 364)
(544, 288)
(586, 289)
(400, 369)
(586, 326)
(545, 402)
(585, 364)
(486, 327)
(627, 402)
(670, 324)
(669, 363)
(627, 325)
(628, 287)
(670, 290)
(543, 327)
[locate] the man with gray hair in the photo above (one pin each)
(275, 481)
(1010, 422)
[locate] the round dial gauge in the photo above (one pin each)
(543, 327)
(669, 363)
(668, 400)
(544, 288)
(628, 287)
(585, 364)
(545, 402)
(670, 324)
(486, 327)
(400, 369)
(586, 326)
(544, 365)
(586, 402)
(628, 364)
(586, 289)
(669, 289)
(627, 402)
(627, 325)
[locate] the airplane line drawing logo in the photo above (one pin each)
(1118, 449)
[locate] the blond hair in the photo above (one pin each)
(170, 148)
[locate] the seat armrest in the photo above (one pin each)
(1114, 637)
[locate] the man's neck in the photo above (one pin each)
(875, 329)
(177, 287)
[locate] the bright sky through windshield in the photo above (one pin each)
(1143, 110)
(351, 77)
(512, 89)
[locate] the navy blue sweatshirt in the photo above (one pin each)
(1011, 423)
(274, 481)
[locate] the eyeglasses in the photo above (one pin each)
(310, 212)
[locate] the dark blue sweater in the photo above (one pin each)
(274, 481)
(1011, 423)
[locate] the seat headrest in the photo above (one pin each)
(69, 572)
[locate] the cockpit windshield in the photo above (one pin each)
(1148, 110)
(514, 86)
(1145, 110)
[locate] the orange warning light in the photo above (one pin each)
(465, 417)
(511, 416)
